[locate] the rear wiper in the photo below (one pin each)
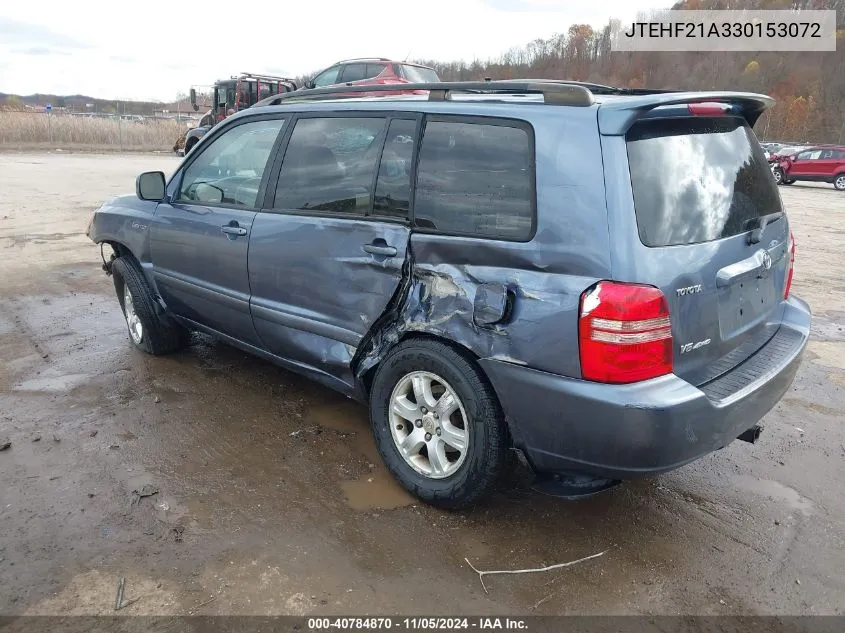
(764, 220)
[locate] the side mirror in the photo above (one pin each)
(150, 186)
(205, 192)
(308, 84)
(194, 99)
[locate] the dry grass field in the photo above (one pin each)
(28, 130)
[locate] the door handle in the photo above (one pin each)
(233, 230)
(377, 249)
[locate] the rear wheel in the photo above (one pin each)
(839, 182)
(437, 424)
(148, 330)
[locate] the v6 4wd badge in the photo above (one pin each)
(688, 347)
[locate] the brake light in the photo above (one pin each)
(624, 333)
(708, 109)
(790, 265)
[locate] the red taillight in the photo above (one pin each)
(707, 109)
(624, 333)
(790, 265)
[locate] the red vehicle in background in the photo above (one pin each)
(373, 71)
(823, 163)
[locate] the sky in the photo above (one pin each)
(152, 51)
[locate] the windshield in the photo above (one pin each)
(698, 179)
(419, 75)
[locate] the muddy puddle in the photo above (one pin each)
(377, 489)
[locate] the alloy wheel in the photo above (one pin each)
(429, 424)
(136, 328)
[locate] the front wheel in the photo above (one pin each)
(839, 182)
(778, 174)
(437, 424)
(148, 330)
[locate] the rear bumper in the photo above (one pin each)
(628, 431)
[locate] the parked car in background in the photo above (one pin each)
(824, 163)
(538, 272)
(787, 150)
(771, 148)
(192, 136)
(372, 71)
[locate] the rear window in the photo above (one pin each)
(419, 75)
(698, 179)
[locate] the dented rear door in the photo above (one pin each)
(327, 251)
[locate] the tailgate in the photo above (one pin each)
(699, 187)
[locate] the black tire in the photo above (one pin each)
(189, 145)
(486, 455)
(778, 174)
(159, 335)
(839, 182)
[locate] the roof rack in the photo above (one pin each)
(261, 76)
(554, 92)
(364, 59)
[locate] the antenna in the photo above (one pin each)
(408, 55)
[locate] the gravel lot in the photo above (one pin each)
(271, 497)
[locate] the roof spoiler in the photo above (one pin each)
(554, 92)
(616, 117)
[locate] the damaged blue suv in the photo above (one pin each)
(595, 280)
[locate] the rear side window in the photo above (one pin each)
(418, 74)
(354, 72)
(698, 179)
(476, 179)
(330, 165)
(374, 70)
(393, 187)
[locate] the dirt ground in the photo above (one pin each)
(271, 498)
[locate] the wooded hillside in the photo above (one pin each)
(809, 87)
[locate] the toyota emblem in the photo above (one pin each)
(767, 260)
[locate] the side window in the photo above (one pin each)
(393, 187)
(244, 88)
(374, 70)
(826, 155)
(475, 179)
(229, 170)
(838, 154)
(803, 156)
(327, 77)
(330, 165)
(266, 89)
(353, 72)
